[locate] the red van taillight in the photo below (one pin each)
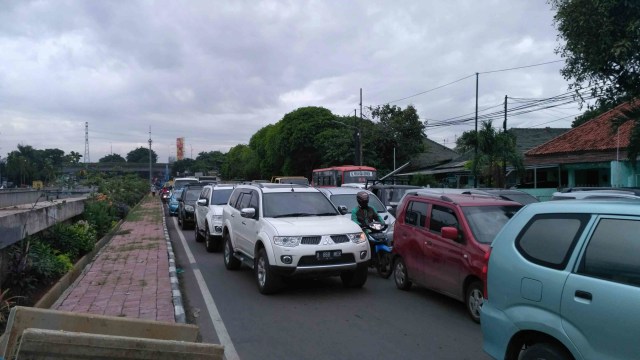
(485, 270)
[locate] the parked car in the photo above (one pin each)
(563, 283)
(173, 202)
(186, 204)
(208, 224)
(594, 194)
(390, 194)
(289, 230)
(301, 180)
(513, 195)
(346, 196)
(440, 242)
(178, 183)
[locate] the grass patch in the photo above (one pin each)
(131, 247)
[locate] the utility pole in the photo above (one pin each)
(360, 132)
(150, 178)
(475, 155)
(357, 140)
(504, 159)
(86, 144)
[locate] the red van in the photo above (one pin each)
(441, 241)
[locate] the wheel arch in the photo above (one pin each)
(470, 279)
(530, 337)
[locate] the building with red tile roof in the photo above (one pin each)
(592, 154)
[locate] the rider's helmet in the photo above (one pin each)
(363, 199)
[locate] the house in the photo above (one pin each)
(456, 173)
(592, 154)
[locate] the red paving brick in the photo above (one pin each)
(130, 275)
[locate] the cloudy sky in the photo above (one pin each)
(215, 72)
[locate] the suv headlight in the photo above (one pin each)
(189, 208)
(289, 241)
(216, 218)
(357, 237)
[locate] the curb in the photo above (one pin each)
(180, 315)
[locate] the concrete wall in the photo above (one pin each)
(11, 197)
(18, 222)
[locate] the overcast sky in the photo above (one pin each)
(215, 72)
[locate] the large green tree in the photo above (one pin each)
(601, 48)
(400, 131)
(211, 160)
(141, 155)
(113, 158)
(495, 149)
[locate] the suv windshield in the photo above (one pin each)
(221, 196)
(179, 184)
(350, 201)
(289, 204)
(191, 195)
(487, 221)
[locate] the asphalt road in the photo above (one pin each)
(318, 319)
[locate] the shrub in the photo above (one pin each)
(74, 240)
(100, 214)
(47, 263)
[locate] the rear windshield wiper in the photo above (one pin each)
(327, 214)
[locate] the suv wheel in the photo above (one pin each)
(544, 351)
(355, 278)
(197, 231)
(230, 261)
(209, 242)
(400, 275)
(267, 281)
(474, 297)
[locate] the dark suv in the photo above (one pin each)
(187, 204)
(441, 242)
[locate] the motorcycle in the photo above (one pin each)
(380, 248)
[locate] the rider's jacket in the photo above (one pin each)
(364, 216)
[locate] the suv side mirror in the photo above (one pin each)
(343, 210)
(249, 213)
(449, 232)
(202, 202)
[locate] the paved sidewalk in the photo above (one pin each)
(130, 275)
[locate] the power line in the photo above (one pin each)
(520, 67)
(468, 76)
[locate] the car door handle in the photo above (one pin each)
(428, 242)
(232, 215)
(584, 295)
(244, 223)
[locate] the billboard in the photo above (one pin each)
(180, 148)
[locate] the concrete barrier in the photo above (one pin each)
(55, 344)
(21, 318)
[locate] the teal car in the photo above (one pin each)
(563, 283)
(173, 202)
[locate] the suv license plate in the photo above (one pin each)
(328, 255)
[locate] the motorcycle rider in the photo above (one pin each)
(363, 213)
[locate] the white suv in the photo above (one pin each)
(284, 230)
(208, 222)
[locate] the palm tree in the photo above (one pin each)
(495, 149)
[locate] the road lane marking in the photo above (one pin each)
(225, 340)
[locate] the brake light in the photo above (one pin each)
(485, 270)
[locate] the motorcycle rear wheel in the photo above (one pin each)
(384, 266)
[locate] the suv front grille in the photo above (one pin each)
(310, 240)
(311, 260)
(339, 239)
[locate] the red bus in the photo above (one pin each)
(344, 174)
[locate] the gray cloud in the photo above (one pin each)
(216, 72)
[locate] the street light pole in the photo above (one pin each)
(360, 132)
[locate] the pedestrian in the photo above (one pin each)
(153, 190)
